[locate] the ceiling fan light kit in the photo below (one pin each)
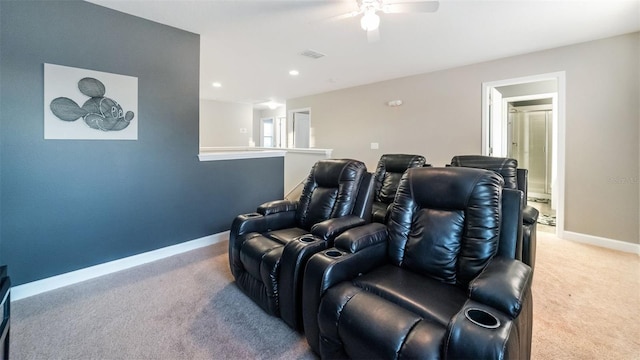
(370, 20)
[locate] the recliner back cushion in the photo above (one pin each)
(330, 191)
(388, 187)
(389, 172)
(445, 222)
(506, 167)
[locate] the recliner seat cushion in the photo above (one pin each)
(427, 297)
(391, 313)
(286, 235)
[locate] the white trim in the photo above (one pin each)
(602, 242)
(560, 77)
(326, 152)
(234, 155)
(537, 195)
(73, 277)
(250, 152)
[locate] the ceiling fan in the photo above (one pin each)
(370, 21)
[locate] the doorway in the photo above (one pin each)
(273, 132)
(299, 128)
(530, 141)
(523, 118)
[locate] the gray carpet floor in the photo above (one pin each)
(586, 306)
(182, 307)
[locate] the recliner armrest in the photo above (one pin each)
(361, 237)
(503, 285)
(488, 336)
(277, 206)
(278, 214)
(330, 228)
(530, 215)
(247, 223)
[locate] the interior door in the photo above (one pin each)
(301, 130)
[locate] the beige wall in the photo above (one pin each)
(441, 117)
(220, 123)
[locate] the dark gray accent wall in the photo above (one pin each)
(69, 204)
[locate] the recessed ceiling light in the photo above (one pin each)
(270, 104)
(294, 73)
(216, 84)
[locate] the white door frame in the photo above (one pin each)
(559, 128)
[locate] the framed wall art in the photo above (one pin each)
(85, 104)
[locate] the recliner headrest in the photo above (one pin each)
(331, 190)
(331, 172)
(399, 163)
(506, 167)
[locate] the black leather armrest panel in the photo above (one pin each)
(246, 223)
(326, 269)
(292, 264)
(331, 228)
(530, 215)
(361, 237)
(502, 285)
(277, 206)
(468, 340)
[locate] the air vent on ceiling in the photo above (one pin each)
(312, 54)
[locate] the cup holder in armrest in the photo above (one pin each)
(307, 238)
(250, 215)
(333, 253)
(482, 318)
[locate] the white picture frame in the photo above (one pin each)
(101, 121)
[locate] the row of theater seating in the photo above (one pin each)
(440, 275)
(391, 167)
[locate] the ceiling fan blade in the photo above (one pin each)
(373, 35)
(409, 7)
(343, 16)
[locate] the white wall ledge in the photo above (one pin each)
(247, 152)
(237, 152)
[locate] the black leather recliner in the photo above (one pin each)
(269, 248)
(439, 281)
(514, 178)
(387, 177)
(5, 324)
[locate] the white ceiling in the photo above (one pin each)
(249, 46)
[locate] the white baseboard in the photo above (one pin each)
(533, 194)
(73, 277)
(602, 242)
